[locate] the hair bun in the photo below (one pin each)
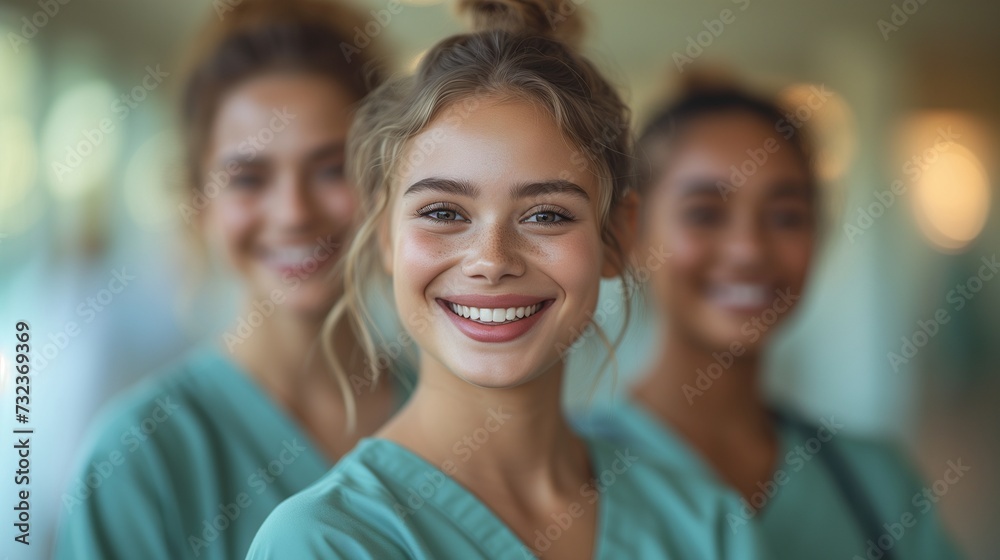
(557, 19)
(708, 80)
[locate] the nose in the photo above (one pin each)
(494, 254)
(745, 245)
(291, 207)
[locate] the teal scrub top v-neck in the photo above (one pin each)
(186, 465)
(382, 501)
(804, 513)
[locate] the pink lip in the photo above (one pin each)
(482, 332)
(740, 310)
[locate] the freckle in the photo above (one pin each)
(523, 246)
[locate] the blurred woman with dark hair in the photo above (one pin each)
(742, 236)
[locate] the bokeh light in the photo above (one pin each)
(18, 160)
(943, 158)
(152, 179)
(81, 139)
(831, 122)
(952, 199)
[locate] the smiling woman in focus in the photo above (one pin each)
(493, 216)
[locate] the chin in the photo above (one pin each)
(727, 337)
(493, 377)
(306, 301)
(499, 374)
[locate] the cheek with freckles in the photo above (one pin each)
(418, 258)
(575, 264)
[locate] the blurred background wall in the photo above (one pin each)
(90, 178)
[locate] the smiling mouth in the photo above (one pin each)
(495, 324)
(494, 315)
(300, 259)
(735, 295)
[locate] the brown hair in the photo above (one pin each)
(517, 50)
(261, 36)
(699, 100)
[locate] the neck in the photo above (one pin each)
(502, 437)
(700, 389)
(285, 356)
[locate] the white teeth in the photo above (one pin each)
(294, 252)
(291, 256)
(495, 315)
(742, 295)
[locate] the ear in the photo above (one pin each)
(624, 225)
(383, 234)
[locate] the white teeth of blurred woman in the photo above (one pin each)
(291, 256)
(742, 295)
(494, 315)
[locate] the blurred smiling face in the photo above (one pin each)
(287, 210)
(494, 243)
(740, 253)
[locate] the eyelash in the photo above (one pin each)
(426, 211)
(565, 216)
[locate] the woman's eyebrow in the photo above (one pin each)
(524, 190)
(791, 189)
(241, 160)
(702, 187)
(445, 186)
(559, 186)
(334, 148)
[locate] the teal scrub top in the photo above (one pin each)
(186, 465)
(384, 502)
(802, 511)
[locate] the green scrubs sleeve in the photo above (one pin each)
(187, 464)
(118, 505)
(298, 531)
(906, 503)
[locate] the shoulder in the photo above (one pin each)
(348, 513)
(132, 463)
(897, 490)
(880, 462)
(171, 403)
(145, 436)
(628, 423)
(683, 511)
(663, 485)
(618, 421)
